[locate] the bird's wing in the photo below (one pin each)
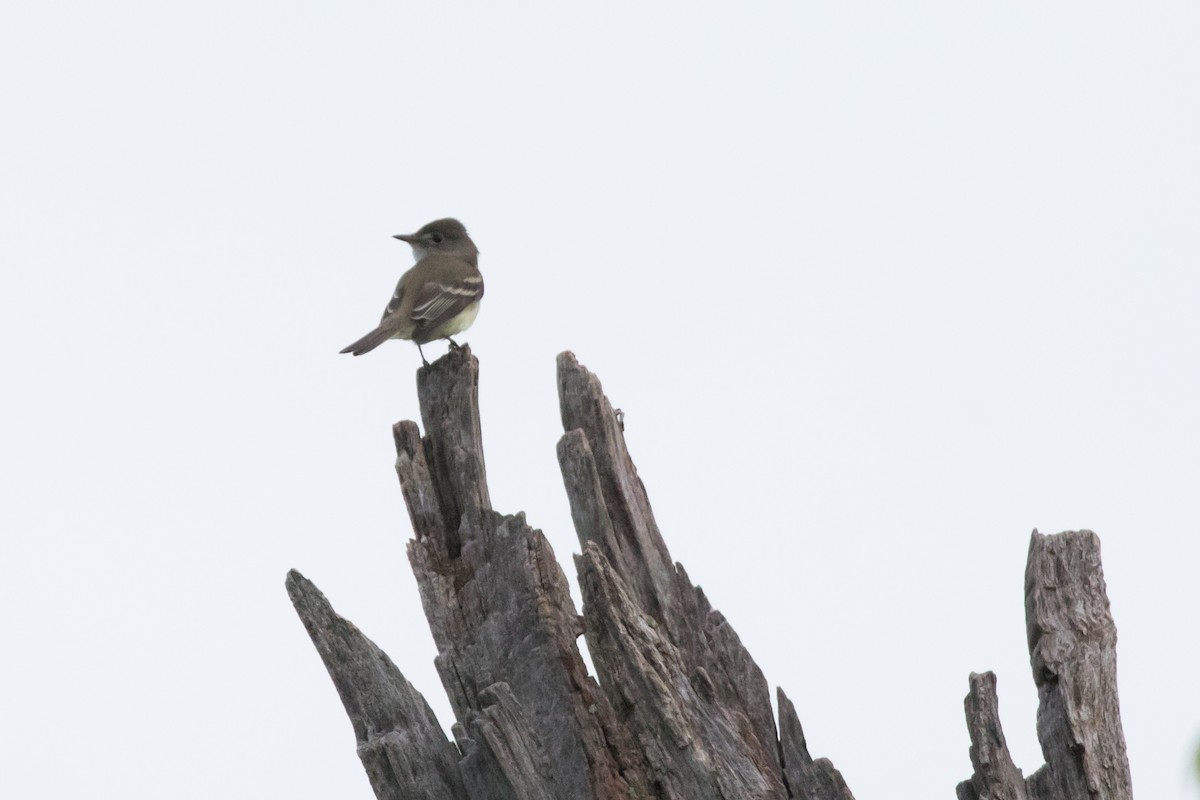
(437, 300)
(397, 298)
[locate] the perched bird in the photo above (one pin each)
(438, 297)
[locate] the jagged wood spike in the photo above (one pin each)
(1072, 652)
(502, 616)
(807, 778)
(612, 514)
(448, 390)
(996, 776)
(631, 541)
(693, 746)
(400, 743)
(682, 712)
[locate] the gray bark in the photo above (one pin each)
(681, 711)
(675, 670)
(501, 615)
(806, 777)
(1072, 649)
(996, 776)
(405, 753)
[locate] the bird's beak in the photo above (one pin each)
(405, 237)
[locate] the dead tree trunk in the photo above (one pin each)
(680, 712)
(1073, 651)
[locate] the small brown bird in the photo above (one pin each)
(438, 297)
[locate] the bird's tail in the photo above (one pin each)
(369, 342)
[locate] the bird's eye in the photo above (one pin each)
(436, 238)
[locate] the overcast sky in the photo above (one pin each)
(879, 288)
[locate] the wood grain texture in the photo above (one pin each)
(400, 742)
(809, 778)
(996, 776)
(1072, 650)
(684, 712)
(674, 669)
(501, 614)
(680, 710)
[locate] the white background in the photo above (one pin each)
(880, 290)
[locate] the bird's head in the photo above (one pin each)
(447, 236)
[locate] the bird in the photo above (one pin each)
(438, 296)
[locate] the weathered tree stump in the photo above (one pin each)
(1073, 652)
(680, 710)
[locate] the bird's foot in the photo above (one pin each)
(453, 344)
(422, 352)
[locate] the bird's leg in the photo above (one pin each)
(422, 352)
(453, 344)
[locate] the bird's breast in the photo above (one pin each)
(460, 322)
